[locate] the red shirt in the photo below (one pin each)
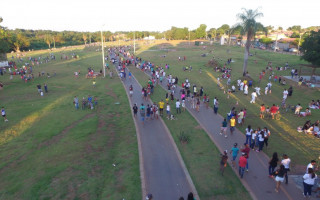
(242, 161)
(246, 150)
(273, 109)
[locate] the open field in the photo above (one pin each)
(50, 150)
(284, 137)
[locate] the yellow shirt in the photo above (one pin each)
(161, 104)
(245, 82)
(232, 122)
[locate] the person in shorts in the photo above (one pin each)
(279, 177)
(224, 128)
(234, 151)
(142, 113)
(131, 90)
(232, 124)
(3, 113)
(135, 110)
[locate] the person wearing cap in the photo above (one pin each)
(242, 164)
(223, 162)
(234, 151)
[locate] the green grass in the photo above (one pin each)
(200, 155)
(49, 150)
(301, 148)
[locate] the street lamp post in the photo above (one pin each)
(103, 61)
(299, 45)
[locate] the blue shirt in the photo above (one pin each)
(235, 151)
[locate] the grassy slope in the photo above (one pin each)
(201, 157)
(284, 139)
(49, 150)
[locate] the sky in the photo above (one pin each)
(150, 15)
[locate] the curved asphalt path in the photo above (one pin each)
(164, 174)
(256, 181)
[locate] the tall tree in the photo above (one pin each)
(248, 22)
(311, 49)
(84, 37)
(48, 40)
(4, 42)
(19, 41)
(201, 31)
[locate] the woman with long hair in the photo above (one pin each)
(308, 182)
(273, 163)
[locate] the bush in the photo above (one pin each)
(184, 138)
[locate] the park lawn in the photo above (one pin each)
(201, 156)
(301, 148)
(50, 150)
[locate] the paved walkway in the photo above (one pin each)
(257, 182)
(164, 173)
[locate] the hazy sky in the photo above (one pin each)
(150, 15)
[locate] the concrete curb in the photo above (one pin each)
(142, 172)
(185, 170)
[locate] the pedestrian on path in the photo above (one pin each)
(273, 163)
(224, 128)
(246, 150)
(216, 106)
(286, 162)
(234, 151)
(3, 113)
(260, 141)
(142, 113)
(223, 162)
(232, 124)
(248, 135)
(190, 196)
(242, 164)
(267, 134)
(279, 177)
(253, 139)
(168, 110)
(308, 182)
(131, 90)
(135, 110)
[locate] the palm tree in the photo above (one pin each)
(248, 23)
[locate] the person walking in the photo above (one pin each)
(286, 163)
(161, 106)
(248, 135)
(223, 162)
(168, 110)
(3, 113)
(142, 113)
(267, 134)
(273, 163)
(190, 196)
(178, 109)
(308, 182)
(216, 106)
(76, 102)
(46, 88)
(242, 164)
(279, 177)
(234, 151)
(232, 124)
(135, 110)
(260, 141)
(246, 150)
(224, 128)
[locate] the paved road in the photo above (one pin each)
(164, 174)
(257, 182)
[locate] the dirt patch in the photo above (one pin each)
(111, 93)
(119, 175)
(55, 139)
(198, 127)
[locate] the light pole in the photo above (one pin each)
(189, 37)
(134, 43)
(275, 47)
(102, 49)
(299, 45)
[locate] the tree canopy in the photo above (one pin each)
(311, 48)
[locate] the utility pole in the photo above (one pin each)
(298, 52)
(275, 47)
(102, 49)
(134, 43)
(189, 37)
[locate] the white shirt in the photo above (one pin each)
(285, 94)
(261, 139)
(286, 163)
(168, 107)
(253, 95)
(248, 132)
(178, 104)
(3, 112)
(309, 166)
(308, 179)
(253, 136)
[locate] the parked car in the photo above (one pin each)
(293, 50)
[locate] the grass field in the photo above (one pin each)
(284, 137)
(201, 157)
(50, 150)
